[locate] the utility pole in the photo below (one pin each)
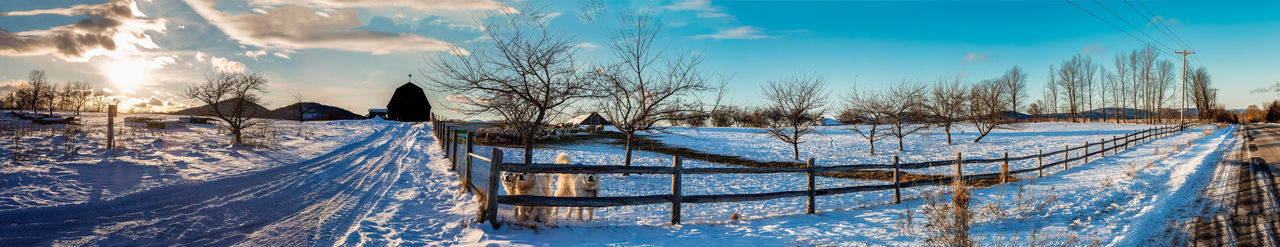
(1182, 119)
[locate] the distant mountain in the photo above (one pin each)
(314, 112)
(257, 110)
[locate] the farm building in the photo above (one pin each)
(588, 119)
(409, 104)
(377, 112)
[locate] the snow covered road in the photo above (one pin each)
(321, 201)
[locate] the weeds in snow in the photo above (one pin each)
(1023, 206)
(948, 222)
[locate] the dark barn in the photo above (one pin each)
(409, 104)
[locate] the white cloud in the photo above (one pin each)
(962, 74)
(411, 4)
(200, 56)
(226, 65)
(1169, 22)
(704, 8)
(976, 57)
(112, 29)
(297, 27)
(743, 32)
(11, 85)
(281, 55)
(254, 54)
(587, 46)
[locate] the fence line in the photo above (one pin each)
(449, 143)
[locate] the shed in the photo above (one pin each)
(377, 112)
(588, 119)
(409, 104)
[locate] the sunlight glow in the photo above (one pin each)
(124, 74)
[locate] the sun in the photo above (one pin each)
(125, 75)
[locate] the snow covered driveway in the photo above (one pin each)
(321, 201)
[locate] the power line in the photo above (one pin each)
(1158, 27)
(1166, 27)
(1135, 27)
(1112, 25)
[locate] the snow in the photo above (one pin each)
(147, 158)
(357, 183)
(1095, 201)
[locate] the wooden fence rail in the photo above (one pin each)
(676, 198)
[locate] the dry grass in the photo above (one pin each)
(948, 221)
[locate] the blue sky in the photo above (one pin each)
(353, 55)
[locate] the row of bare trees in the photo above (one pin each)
(38, 93)
(531, 74)
(1139, 80)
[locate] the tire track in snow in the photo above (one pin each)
(314, 202)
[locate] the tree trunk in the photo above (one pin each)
(947, 128)
(235, 133)
(980, 136)
(872, 142)
(528, 149)
(627, 160)
(795, 151)
(899, 143)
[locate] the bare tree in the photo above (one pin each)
(1051, 93)
(78, 95)
(1202, 91)
(946, 102)
(1104, 84)
(723, 116)
(1164, 79)
(1015, 81)
(865, 112)
(793, 105)
(986, 106)
(1072, 76)
(647, 85)
(37, 90)
(1087, 82)
(231, 97)
(904, 111)
(302, 109)
(527, 76)
(1120, 86)
(1034, 110)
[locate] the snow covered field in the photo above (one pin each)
(49, 176)
(1092, 202)
(384, 183)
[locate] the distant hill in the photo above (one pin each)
(314, 112)
(257, 110)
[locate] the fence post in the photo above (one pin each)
(1086, 152)
(491, 207)
(811, 208)
(1040, 163)
(1066, 155)
(897, 182)
(467, 159)
(959, 163)
(676, 194)
(446, 138)
(1102, 145)
(453, 147)
(1004, 169)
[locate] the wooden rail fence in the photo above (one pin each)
(449, 141)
